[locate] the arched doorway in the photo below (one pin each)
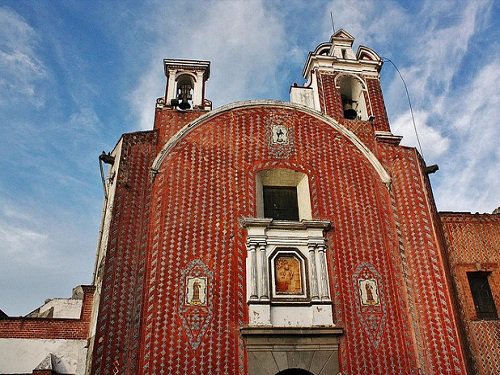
(294, 371)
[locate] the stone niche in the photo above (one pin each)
(286, 273)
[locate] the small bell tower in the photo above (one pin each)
(186, 84)
(343, 84)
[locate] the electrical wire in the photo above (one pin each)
(409, 104)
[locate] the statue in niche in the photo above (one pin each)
(288, 275)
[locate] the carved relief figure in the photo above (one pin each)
(288, 275)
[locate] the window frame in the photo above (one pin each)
(286, 178)
(484, 300)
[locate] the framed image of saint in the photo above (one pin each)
(288, 275)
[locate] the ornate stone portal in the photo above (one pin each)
(286, 266)
(288, 295)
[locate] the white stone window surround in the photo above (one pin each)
(284, 177)
(265, 238)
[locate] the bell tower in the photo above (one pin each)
(186, 83)
(344, 85)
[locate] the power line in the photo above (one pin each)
(409, 104)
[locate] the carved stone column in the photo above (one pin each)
(264, 289)
(323, 272)
(253, 270)
(314, 275)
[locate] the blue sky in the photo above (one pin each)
(75, 75)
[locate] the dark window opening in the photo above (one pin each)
(280, 202)
(482, 296)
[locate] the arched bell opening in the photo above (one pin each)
(353, 98)
(184, 92)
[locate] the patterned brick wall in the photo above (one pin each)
(116, 343)
(381, 123)
(187, 223)
(473, 242)
(206, 185)
(49, 328)
(168, 122)
(431, 312)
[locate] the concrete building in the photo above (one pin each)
(268, 237)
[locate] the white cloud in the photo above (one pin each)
(244, 41)
(434, 144)
(19, 63)
(472, 180)
(21, 239)
(370, 22)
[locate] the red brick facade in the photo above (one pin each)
(182, 191)
(474, 245)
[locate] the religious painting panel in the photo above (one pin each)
(288, 273)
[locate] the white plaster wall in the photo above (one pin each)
(302, 95)
(64, 308)
(23, 355)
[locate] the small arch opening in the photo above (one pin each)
(184, 93)
(353, 98)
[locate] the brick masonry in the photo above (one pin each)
(474, 245)
(186, 218)
(49, 328)
(192, 211)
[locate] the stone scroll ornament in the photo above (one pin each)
(369, 300)
(195, 302)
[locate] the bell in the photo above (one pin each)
(184, 94)
(350, 114)
(184, 105)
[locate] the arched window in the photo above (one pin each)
(353, 98)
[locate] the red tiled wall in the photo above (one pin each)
(170, 121)
(206, 184)
(116, 343)
(429, 301)
(473, 242)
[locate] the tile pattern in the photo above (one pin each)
(195, 318)
(372, 316)
(473, 242)
(207, 183)
(191, 213)
(116, 346)
(435, 335)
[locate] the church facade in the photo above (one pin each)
(268, 237)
